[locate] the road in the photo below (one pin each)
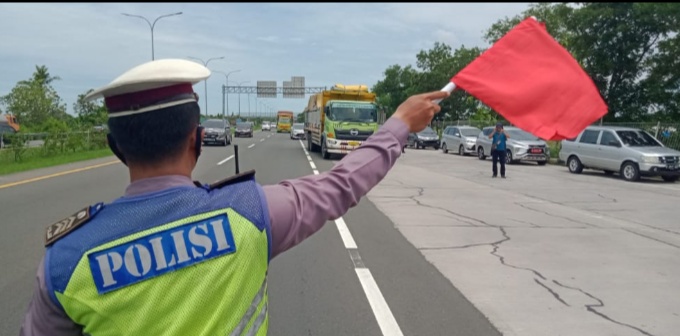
(544, 252)
(368, 281)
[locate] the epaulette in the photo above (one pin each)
(63, 227)
(233, 179)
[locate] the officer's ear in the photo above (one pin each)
(197, 139)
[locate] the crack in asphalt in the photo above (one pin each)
(652, 238)
(556, 216)
(608, 198)
(462, 218)
(496, 246)
(525, 222)
(557, 296)
(600, 304)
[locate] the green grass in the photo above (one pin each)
(8, 166)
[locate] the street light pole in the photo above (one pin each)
(152, 25)
(224, 88)
(239, 97)
(205, 82)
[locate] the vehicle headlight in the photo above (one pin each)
(651, 159)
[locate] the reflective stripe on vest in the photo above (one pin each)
(168, 282)
(251, 312)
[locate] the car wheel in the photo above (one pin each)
(670, 178)
(444, 149)
(508, 157)
(574, 165)
(630, 171)
(480, 153)
(461, 151)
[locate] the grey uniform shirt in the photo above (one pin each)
(297, 209)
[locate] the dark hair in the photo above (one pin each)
(155, 136)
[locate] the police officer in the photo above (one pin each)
(176, 257)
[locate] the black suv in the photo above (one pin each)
(244, 129)
(217, 131)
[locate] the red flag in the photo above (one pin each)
(534, 83)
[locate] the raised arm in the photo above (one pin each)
(300, 207)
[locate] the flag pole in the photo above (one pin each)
(448, 88)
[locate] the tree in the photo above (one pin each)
(395, 87)
(90, 113)
(35, 102)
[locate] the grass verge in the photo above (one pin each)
(35, 162)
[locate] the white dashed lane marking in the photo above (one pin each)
(383, 314)
(225, 160)
(231, 157)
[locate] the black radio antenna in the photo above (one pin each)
(236, 157)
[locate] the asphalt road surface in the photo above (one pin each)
(357, 276)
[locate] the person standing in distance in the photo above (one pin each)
(498, 149)
(177, 257)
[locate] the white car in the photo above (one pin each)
(266, 126)
(297, 131)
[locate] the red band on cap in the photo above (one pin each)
(141, 99)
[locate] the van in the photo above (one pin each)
(631, 152)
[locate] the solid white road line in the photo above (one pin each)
(386, 321)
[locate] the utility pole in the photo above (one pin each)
(205, 82)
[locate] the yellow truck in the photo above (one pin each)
(284, 121)
(339, 120)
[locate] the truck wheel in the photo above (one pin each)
(324, 150)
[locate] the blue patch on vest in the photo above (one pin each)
(161, 252)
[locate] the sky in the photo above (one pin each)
(88, 45)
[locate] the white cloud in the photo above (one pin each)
(88, 45)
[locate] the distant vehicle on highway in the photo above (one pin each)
(297, 131)
(423, 139)
(217, 131)
(521, 146)
(459, 138)
(631, 152)
(284, 120)
(266, 126)
(244, 129)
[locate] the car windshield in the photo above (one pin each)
(213, 124)
(469, 132)
(353, 112)
(427, 132)
(298, 126)
(243, 125)
(522, 135)
(638, 139)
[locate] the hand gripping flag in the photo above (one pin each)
(532, 81)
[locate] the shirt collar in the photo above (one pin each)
(158, 183)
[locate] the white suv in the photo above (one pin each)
(266, 126)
